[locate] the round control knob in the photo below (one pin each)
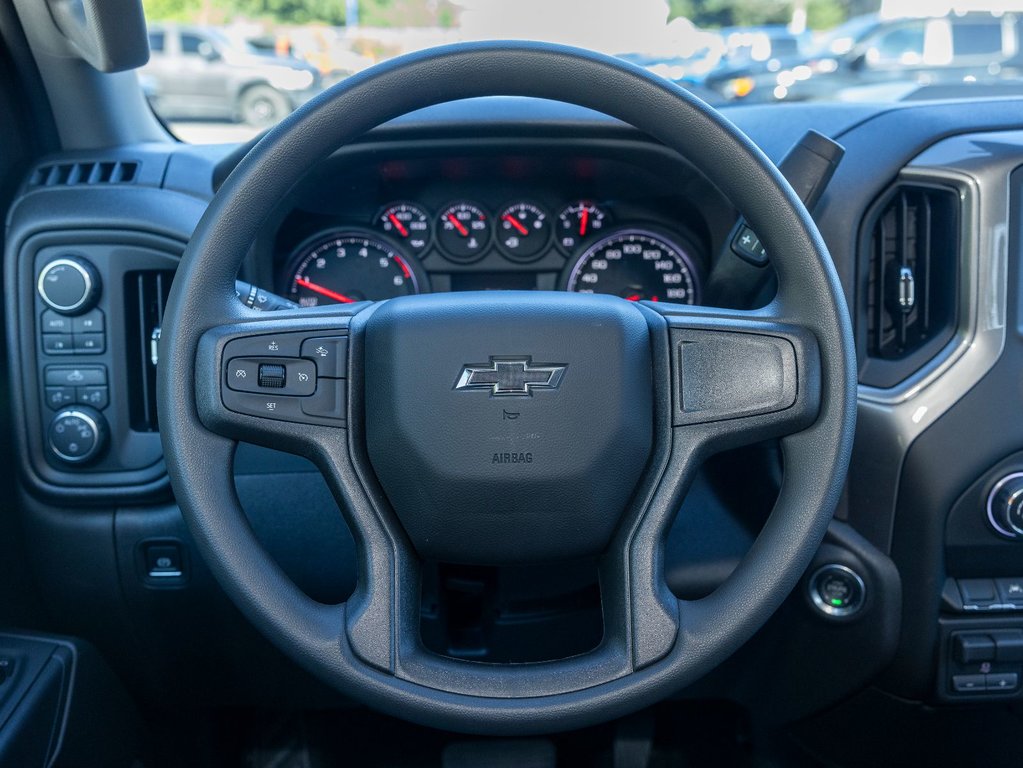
(1005, 506)
(69, 285)
(837, 591)
(77, 434)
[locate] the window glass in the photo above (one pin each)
(726, 51)
(977, 39)
(192, 44)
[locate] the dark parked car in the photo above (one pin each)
(752, 55)
(202, 73)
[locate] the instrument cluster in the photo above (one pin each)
(577, 247)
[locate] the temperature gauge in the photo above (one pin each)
(463, 231)
(405, 222)
(522, 231)
(577, 222)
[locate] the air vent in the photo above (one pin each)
(85, 173)
(912, 278)
(145, 296)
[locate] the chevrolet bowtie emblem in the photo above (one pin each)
(510, 376)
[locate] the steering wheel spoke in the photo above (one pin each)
(739, 377)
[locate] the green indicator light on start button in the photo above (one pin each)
(836, 591)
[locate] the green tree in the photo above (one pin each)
(821, 14)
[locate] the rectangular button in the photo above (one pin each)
(91, 343)
(330, 400)
(968, 683)
(275, 345)
(163, 560)
(52, 322)
(973, 647)
(58, 397)
(977, 591)
(57, 343)
(330, 353)
(91, 322)
(1008, 645)
(1002, 681)
(1010, 591)
(97, 397)
(75, 376)
(267, 406)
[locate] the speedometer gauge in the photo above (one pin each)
(637, 265)
(345, 267)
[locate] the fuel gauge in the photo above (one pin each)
(522, 231)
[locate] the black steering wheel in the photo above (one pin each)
(399, 404)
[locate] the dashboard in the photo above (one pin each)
(604, 209)
(549, 218)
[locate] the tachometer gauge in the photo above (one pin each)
(578, 221)
(522, 231)
(345, 267)
(407, 223)
(463, 231)
(637, 265)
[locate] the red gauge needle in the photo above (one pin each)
(398, 225)
(516, 223)
(458, 225)
(323, 291)
(584, 219)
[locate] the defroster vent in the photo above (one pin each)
(909, 310)
(85, 173)
(145, 296)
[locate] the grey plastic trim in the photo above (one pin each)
(978, 166)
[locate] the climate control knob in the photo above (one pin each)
(77, 434)
(69, 285)
(1005, 506)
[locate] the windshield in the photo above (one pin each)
(223, 70)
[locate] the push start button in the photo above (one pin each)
(837, 591)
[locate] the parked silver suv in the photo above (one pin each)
(202, 73)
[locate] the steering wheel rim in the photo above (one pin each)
(356, 648)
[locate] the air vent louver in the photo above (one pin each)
(85, 173)
(145, 296)
(911, 282)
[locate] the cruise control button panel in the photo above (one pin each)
(289, 377)
(276, 376)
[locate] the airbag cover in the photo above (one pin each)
(509, 429)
